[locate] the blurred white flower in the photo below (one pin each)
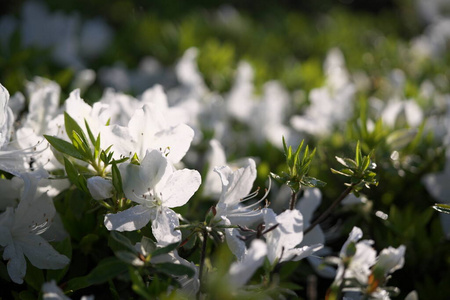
(390, 259)
(241, 271)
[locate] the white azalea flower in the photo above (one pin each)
(12, 159)
(148, 129)
(96, 115)
(236, 186)
(362, 260)
(282, 241)
(42, 109)
(21, 229)
(390, 259)
(329, 104)
(156, 187)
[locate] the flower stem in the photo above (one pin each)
(326, 213)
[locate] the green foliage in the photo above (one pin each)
(358, 170)
(298, 163)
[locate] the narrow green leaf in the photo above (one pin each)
(443, 208)
(358, 155)
(122, 240)
(284, 146)
(138, 286)
(64, 247)
(365, 163)
(80, 145)
(34, 277)
(165, 250)
(97, 146)
(72, 173)
(64, 147)
(342, 172)
(175, 269)
(312, 182)
(91, 136)
(107, 269)
(116, 179)
(72, 126)
(129, 258)
(82, 183)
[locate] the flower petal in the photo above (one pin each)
(163, 227)
(41, 254)
(241, 271)
(131, 219)
(180, 187)
(17, 265)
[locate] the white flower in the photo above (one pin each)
(282, 241)
(363, 257)
(12, 159)
(156, 187)
(100, 188)
(21, 229)
(147, 130)
(391, 259)
(236, 186)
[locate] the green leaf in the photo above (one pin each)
(344, 172)
(123, 240)
(107, 269)
(312, 182)
(129, 258)
(138, 286)
(64, 147)
(116, 178)
(34, 277)
(72, 173)
(64, 247)
(365, 163)
(358, 155)
(175, 269)
(165, 250)
(81, 146)
(27, 295)
(91, 136)
(97, 147)
(77, 179)
(148, 245)
(72, 126)
(443, 208)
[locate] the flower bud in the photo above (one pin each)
(100, 188)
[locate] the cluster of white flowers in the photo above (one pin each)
(150, 137)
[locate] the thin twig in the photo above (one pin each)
(326, 213)
(293, 200)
